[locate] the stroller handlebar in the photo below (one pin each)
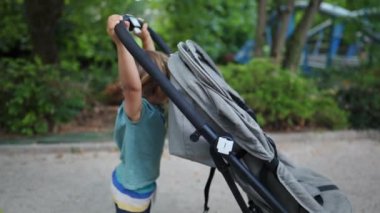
(136, 25)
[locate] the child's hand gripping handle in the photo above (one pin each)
(135, 23)
(136, 26)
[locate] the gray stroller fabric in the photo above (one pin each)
(195, 75)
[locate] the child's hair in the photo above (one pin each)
(149, 85)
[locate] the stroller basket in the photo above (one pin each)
(231, 139)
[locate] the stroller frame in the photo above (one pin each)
(222, 161)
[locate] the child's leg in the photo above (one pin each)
(124, 211)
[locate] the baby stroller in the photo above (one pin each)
(209, 123)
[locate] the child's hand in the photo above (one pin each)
(112, 21)
(144, 35)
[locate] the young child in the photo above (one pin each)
(139, 127)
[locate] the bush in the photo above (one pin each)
(282, 99)
(328, 114)
(357, 91)
(35, 97)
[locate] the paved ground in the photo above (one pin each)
(75, 178)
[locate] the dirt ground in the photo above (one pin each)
(39, 178)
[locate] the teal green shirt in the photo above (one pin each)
(141, 144)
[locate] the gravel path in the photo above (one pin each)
(75, 178)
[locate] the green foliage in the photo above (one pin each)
(328, 114)
(82, 30)
(14, 33)
(35, 97)
(282, 99)
(357, 91)
(219, 26)
(83, 39)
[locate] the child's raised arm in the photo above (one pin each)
(128, 73)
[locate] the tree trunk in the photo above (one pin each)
(298, 39)
(284, 12)
(260, 27)
(42, 17)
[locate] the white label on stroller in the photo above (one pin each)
(224, 145)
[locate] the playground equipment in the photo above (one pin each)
(325, 46)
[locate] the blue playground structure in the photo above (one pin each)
(325, 46)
